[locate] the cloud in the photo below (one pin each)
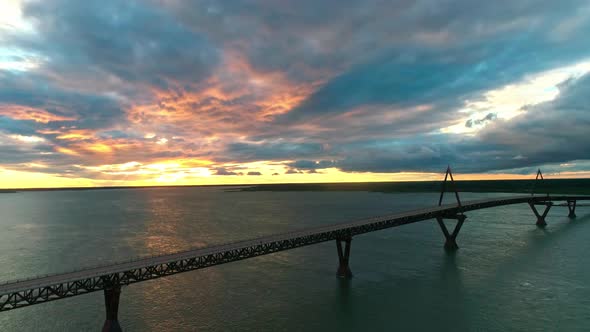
(52, 106)
(543, 134)
(546, 133)
(478, 122)
(305, 38)
(302, 86)
(551, 132)
(443, 79)
(132, 41)
(272, 151)
(311, 165)
(254, 173)
(224, 171)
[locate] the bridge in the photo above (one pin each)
(110, 279)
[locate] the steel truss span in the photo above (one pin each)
(43, 289)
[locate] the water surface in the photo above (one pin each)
(508, 275)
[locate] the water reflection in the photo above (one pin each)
(454, 309)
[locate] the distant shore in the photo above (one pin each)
(8, 191)
(553, 186)
(16, 190)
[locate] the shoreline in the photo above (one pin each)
(550, 186)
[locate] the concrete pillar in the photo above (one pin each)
(451, 238)
(451, 244)
(111, 301)
(343, 258)
(571, 206)
(541, 217)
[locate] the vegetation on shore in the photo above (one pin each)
(553, 186)
(7, 191)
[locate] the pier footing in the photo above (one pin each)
(541, 217)
(571, 206)
(451, 238)
(111, 301)
(343, 258)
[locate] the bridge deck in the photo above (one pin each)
(21, 293)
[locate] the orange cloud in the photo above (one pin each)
(98, 147)
(67, 151)
(232, 103)
(75, 135)
(89, 148)
(18, 112)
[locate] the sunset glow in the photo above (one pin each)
(94, 94)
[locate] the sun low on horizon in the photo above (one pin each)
(126, 93)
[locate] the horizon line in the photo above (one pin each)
(261, 184)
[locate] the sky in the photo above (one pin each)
(175, 92)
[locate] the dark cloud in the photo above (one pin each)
(131, 40)
(311, 165)
(443, 79)
(427, 154)
(272, 151)
(21, 127)
(308, 166)
(83, 110)
(16, 154)
(116, 134)
(477, 122)
(254, 173)
(304, 38)
(548, 133)
(224, 171)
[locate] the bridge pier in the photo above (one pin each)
(451, 238)
(571, 206)
(111, 301)
(343, 258)
(541, 217)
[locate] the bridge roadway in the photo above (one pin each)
(21, 293)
